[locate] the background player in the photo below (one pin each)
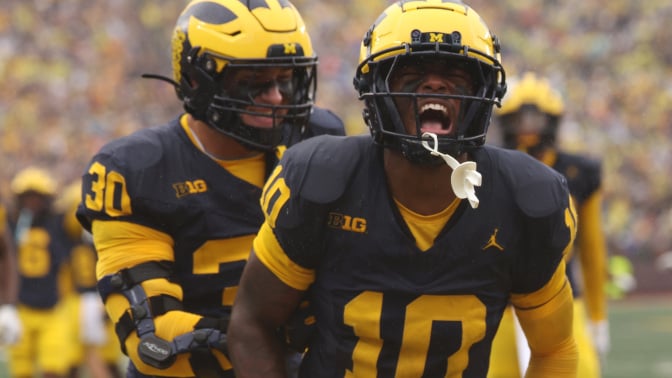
(95, 350)
(529, 119)
(42, 255)
(173, 209)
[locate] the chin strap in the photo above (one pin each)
(464, 176)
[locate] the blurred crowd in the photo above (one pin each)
(70, 78)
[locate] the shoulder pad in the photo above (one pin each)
(324, 121)
(134, 152)
(320, 168)
(131, 157)
(584, 174)
(538, 190)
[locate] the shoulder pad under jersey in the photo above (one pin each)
(538, 190)
(133, 152)
(320, 168)
(324, 121)
(583, 174)
(131, 157)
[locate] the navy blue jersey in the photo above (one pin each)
(584, 177)
(158, 178)
(162, 181)
(378, 299)
(42, 252)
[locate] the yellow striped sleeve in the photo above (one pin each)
(271, 254)
(546, 316)
(593, 256)
(123, 245)
(546, 294)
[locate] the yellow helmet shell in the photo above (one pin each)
(534, 90)
(397, 23)
(230, 30)
(33, 179)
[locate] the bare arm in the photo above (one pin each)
(9, 278)
(263, 303)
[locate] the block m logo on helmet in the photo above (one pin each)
(284, 50)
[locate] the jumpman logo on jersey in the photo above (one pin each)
(492, 242)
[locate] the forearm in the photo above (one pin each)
(549, 333)
(257, 352)
(9, 278)
(561, 364)
(548, 328)
(263, 304)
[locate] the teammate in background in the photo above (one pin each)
(407, 253)
(173, 209)
(529, 120)
(41, 258)
(96, 347)
(10, 324)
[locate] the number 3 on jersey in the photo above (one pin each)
(364, 314)
(108, 192)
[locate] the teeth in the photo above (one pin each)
(438, 107)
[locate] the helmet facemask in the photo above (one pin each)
(219, 44)
(469, 122)
(529, 129)
(222, 99)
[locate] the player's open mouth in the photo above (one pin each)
(434, 118)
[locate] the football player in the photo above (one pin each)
(42, 255)
(173, 209)
(410, 246)
(95, 346)
(529, 120)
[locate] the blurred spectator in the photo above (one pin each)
(70, 72)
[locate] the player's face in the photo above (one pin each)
(529, 123)
(35, 202)
(437, 115)
(268, 86)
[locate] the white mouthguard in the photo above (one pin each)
(464, 176)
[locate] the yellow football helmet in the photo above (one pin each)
(530, 113)
(408, 32)
(213, 38)
(33, 179)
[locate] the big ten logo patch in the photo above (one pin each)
(189, 187)
(347, 222)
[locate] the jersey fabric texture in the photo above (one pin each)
(157, 179)
(584, 178)
(383, 306)
(42, 254)
(42, 258)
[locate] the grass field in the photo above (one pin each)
(641, 339)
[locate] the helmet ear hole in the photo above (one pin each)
(361, 84)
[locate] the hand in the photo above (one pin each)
(10, 325)
(599, 331)
(92, 315)
(300, 328)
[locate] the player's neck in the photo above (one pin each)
(425, 190)
(217, 145)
